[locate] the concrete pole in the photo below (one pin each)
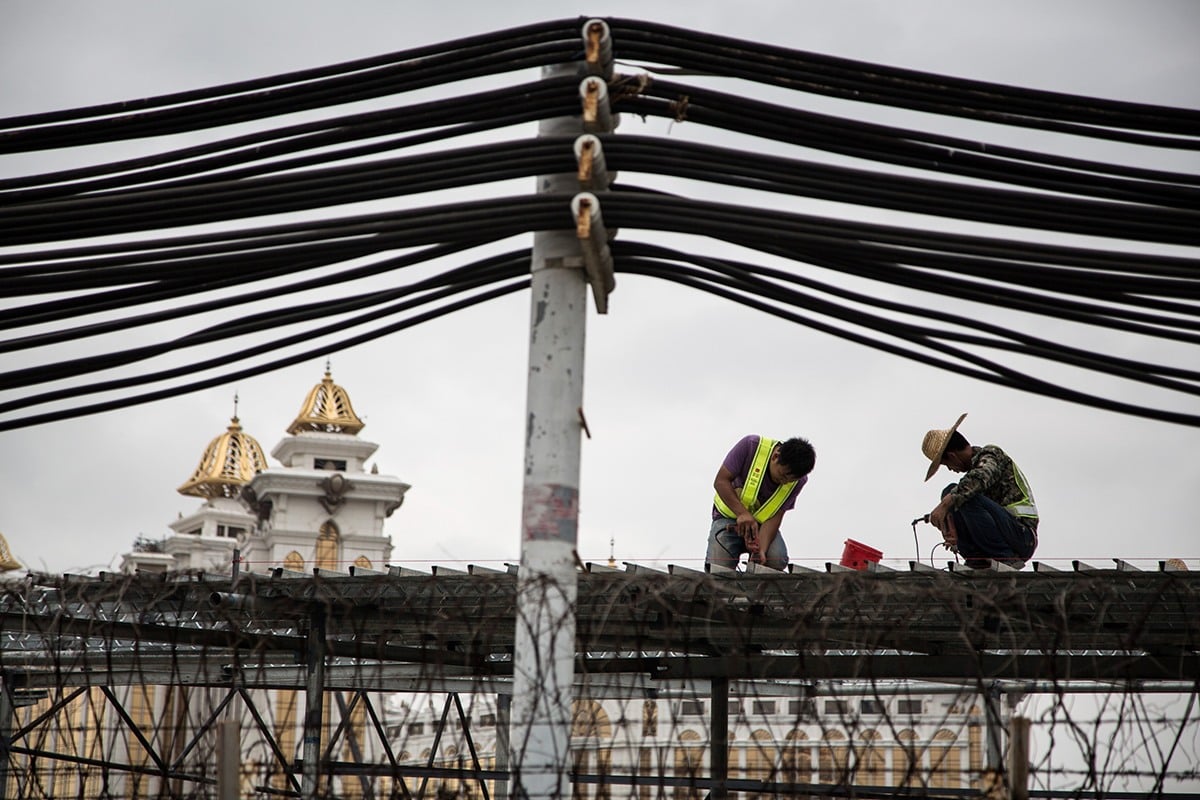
(544, 658)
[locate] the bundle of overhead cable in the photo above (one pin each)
(206, 246)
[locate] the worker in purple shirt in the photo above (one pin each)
(756, 485)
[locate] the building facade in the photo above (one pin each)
(873, 738)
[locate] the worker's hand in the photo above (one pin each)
(747, 526)
(753, 547)
(950, 535)
(940, 516)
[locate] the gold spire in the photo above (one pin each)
(229, 462)
(327, 408)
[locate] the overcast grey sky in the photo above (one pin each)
(670, 381)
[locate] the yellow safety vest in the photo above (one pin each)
(1025, 507)
(749, 494)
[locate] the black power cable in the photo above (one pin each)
(499, 56)
(154, 200)
(880, 84)
(881, 143)
(252, 371)
(261, 152)
(964, 363)
(223, 198)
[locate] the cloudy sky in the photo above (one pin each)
(670, 381)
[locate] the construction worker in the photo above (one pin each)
(990, 513)
(756, 485)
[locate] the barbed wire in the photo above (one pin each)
(837, 684)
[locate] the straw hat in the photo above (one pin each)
(934, 445)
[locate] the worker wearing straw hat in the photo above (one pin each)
(990, 513)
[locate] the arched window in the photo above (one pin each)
(871, 764)
(689, 762)
(797, 758)
(907, 760)
(591, 735)
(590, 720)
(363, 562)
(293, 561)
(328, 544)
(975, 753)
(945, 761)
(831, 762)
(760, 759)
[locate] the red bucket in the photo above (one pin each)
(856, 555)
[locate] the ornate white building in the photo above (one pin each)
(320, 509)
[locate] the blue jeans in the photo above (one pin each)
(986, 530)
(725, 546)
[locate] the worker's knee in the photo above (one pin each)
(777, 554)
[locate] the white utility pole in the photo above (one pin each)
(544, 657)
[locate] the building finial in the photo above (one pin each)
(612, 560)
(235, 404)
(328, 365)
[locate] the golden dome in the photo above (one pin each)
(7, 562)
(228, 464)
(327, 408)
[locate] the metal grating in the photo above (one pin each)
(387, 630)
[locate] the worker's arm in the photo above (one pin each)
(766, 534)
(940, 517)
(746, 524)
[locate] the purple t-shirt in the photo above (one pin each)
(738, 462)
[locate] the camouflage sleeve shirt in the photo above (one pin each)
(993, 475)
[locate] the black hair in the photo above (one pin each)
(957, 442)
(797, 456)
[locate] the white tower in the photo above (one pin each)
(322, 508)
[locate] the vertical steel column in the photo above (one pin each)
(7, 709)
(544, 658)
(995, 729)
(1018, 758)
(314, 695)
(229, 760)
(503, 706)
(993, 778)
(718, 748)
